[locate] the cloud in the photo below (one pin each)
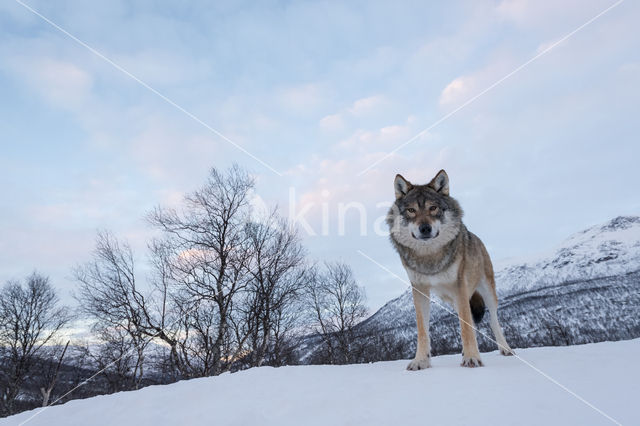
(332, 122)
(367, 105)
(382, 138)
(514, 10)
(543, 15)
(306, 97)
(161, 67)
(59, 82)
(456, 91)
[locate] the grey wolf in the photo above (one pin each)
(441, 255)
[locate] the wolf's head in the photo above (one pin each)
(424, 215)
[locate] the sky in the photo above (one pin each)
(316, 98)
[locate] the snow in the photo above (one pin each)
(505, 391)
(608, 249)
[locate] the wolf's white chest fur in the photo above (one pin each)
(443, 283)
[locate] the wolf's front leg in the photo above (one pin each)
(470, 352)
(422, 303)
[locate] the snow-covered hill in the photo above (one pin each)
(612, 248)
(504, 392)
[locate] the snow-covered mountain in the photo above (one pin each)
(506, 391)
(605, 250)
(587, 289)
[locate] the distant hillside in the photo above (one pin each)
(585, 290)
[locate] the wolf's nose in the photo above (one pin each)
(425, 229)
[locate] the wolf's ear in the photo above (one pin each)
(402, 186)
(440, 183)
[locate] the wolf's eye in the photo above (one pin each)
(433, 208)
(411, 210)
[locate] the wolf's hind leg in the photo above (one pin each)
(470, 352)
(487, 290)
(422, 303)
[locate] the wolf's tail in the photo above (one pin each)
(477, 307)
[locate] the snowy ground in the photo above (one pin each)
(504, 392)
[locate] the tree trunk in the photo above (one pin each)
(46, 392)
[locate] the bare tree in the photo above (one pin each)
(277, 278)
(196, 351)
(225, 292)
(118, 357)
(122, 314)
(30, 318)
(336, 304)
(208, 253)
(288, 322)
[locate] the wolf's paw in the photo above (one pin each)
(507, 351)
(419, 364)
(471, 361)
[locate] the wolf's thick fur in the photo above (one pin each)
(439, 253)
